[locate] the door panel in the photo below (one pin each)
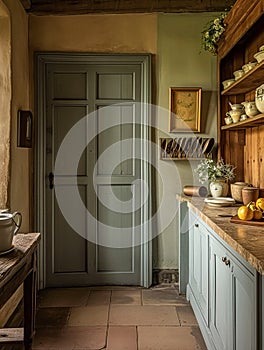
(220, 298)
(72, 91)
(70, 86)
(70, 249)
(115, 86)
(244, 293)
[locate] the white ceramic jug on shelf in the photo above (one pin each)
(250, 108)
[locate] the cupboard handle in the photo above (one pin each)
(226, 261)
(196, 225)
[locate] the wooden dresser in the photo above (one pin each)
(17, 267)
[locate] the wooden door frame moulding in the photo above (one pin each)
(41, 60)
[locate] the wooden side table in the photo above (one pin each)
(17, 267)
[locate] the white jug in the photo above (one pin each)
(8, 228)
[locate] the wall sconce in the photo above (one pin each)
(24, 129)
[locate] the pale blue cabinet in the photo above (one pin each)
(222, 290)
(198, 262)
(220, 297)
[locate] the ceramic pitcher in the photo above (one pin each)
(9, 226)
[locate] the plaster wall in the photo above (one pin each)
(136, 33)
(15, 163)
(20, 194)
(180, 63)
(5, 102)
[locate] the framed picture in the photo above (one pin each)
(185, 109)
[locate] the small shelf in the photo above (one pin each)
(248, 123)
(249, 81)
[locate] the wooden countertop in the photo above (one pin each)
(246, 240)
(23, 246)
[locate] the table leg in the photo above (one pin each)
(30, 305)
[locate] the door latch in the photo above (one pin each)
(51, 180)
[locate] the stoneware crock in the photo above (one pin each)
(9, 226)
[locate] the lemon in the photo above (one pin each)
(245, 213)
(260, 204)
(257, 214)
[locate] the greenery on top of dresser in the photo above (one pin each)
(212, 33)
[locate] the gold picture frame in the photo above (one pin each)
(185, 109)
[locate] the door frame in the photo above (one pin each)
(42, 59)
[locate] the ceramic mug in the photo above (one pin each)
(243, 117)
(228, 120)
(235, 115)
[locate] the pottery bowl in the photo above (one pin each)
(238, 74)
(236, 191)
(248, 66)
(259, 56)
(227, 83)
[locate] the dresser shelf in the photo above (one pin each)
(248, 123)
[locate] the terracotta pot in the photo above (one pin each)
(250, 194)
(236, 191)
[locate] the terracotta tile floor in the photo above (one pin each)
(116, 318)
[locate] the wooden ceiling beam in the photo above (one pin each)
(26, 4)
(69, 7)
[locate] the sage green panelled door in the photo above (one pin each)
(106, 176)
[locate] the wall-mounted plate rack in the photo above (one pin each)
(182, 148)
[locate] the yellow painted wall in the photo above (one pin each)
(16, 91)
(94, 33)
(20, 196)
(5, 102)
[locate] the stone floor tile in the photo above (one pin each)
(115, 288)
(52, 317)
(143, 315)
(122, 338)
(170, 338)
(63, 297)
(69, 338)
(95, 315)
(159, 296)
(99, 297)
(186, 315)
(126, 297)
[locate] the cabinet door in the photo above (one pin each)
(199, 264)
(244, 308)
(220, 297)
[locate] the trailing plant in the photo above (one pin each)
(212, 33)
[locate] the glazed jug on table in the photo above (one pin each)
(9, 226)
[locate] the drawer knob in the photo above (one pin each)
(226, 261)
(196, 225)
